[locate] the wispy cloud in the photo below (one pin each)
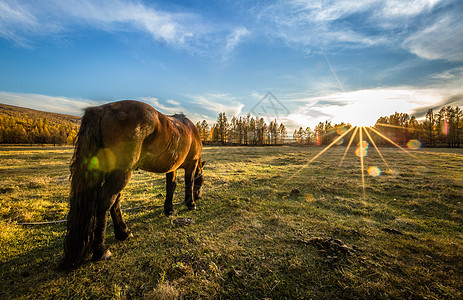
(165, 109)
(62, 105)
(394, 9)
(442, 39)
(18, 21)
(404, 24)
(429, 28)
(233, 40)
(217, 103)
(26, 21)
(454, 100)
(313, 23)
(122, 15)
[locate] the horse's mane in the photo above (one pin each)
(180, 117)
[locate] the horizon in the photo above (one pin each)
(336, 61)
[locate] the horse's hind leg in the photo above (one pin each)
(121, 231)
(113, 185)
(170, 189)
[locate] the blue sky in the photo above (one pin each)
(323, 60)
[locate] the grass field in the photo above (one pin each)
(268, 226)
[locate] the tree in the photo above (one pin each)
(282, 132)
(429, 127)
(309, 134)
(204, 131)
(222, 127)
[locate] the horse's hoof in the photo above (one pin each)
(105, 256)
(124, 236)
(168, 213)
(192, 207)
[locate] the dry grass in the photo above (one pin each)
(254, 229)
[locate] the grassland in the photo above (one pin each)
(268, 226)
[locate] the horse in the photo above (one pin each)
(115, 139)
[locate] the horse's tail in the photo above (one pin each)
(86, 181)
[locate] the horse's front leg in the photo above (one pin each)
(113, 185)
(189, 179)
(170, 189)
(121, 231)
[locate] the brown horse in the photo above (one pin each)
(115, 139)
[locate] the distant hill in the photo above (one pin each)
(27, 113)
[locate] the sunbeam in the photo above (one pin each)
(392, 142)
(329, 146)
(399, 127)
(377, 150)
(320, 153)
(362, 153)
(348, 145)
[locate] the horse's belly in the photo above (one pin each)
(162, 163)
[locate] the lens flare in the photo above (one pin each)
(94, 163)
(341, 141)
(363, 145)
(414, 144)
(341, 130)
(445, 127)
(361, 152)
(374, 171)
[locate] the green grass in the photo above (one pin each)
(252, 236)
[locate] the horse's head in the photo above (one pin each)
(198, 185)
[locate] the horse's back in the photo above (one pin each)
(124, 125)
(135, 135)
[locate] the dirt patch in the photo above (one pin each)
(6, 189)
(329, 247)
(184, 221)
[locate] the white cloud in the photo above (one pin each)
(62, 105)
(173, 102)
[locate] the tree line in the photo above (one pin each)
(23, 130)
(242, 131)
(439, 129)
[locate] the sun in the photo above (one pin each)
(364, 108)
(363, 123)
(360, 115)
